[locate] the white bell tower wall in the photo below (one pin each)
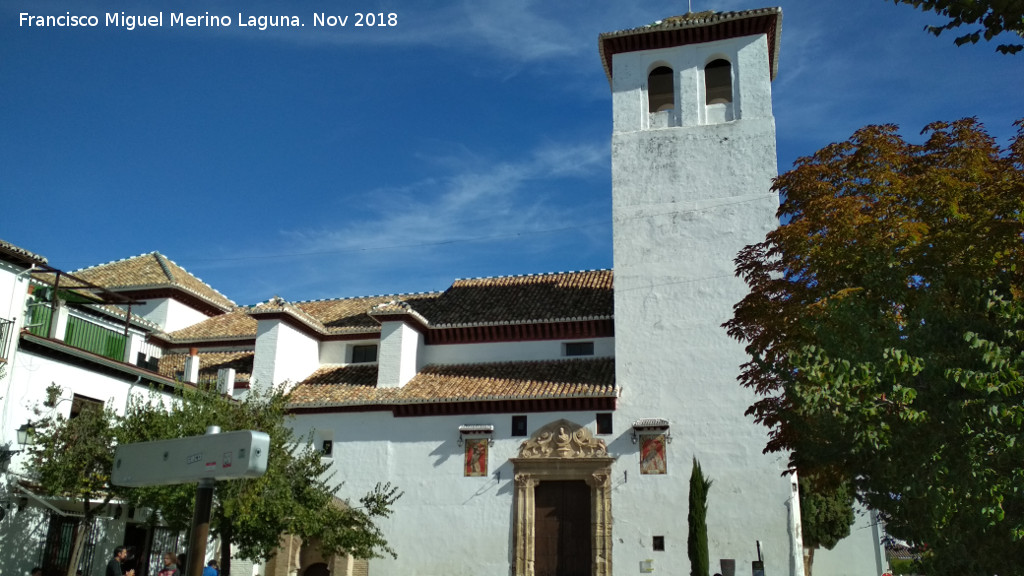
(691, 188)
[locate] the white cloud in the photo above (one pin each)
(475, 202)
(476, 217)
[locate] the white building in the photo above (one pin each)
(542, 424)
(60, 329)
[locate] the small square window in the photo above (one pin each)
(579, 348)
(604, 423)
(364, 353)
(519, 425)
(659, 544)
(327, 448)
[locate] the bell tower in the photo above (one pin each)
(693, 158)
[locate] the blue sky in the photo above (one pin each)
(472, 139)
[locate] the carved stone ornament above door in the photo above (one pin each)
(563, 439)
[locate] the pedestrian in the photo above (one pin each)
(170, 565)
(212, 569)
(114, 566)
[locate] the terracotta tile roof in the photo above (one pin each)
(172, 365)
(19, 255)
(149, 271)
(522, 299)
(235, 325)
(475, 301)
(120, 313)
(675, 31)
(347, 375)
(531, 298)
(277, 306)
(351, 314)
(355, 385)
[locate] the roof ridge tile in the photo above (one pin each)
(533, 274)
(161, 260)
(186, 271)
(423, 293)
(118, 261)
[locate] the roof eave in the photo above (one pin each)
(720, 19)
(614, 393)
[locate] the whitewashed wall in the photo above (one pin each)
(445, 524)
(335, 352)
(283, 354)
(33, 372)
(13, 292)
(511, 351)
(451, 525)
(399, 354)
(23, 532)
(168, 314)
(859, 554)
(685, 201)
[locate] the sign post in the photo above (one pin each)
(200, 531)
(203, 459)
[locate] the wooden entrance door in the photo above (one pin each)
(562, 538)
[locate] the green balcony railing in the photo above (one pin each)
(38, 320)
(80, 333)
(96, 339)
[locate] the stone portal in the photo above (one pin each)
(563, 461)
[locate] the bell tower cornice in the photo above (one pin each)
(695, 28)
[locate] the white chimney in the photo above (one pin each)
(192, 366)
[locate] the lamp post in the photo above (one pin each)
(27, 434)
(26, 437)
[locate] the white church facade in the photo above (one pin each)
(538, 425)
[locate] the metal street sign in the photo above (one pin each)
(225, 456)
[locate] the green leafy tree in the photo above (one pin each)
(697, 520)
(993, 16)
(826, 514)
(294, 496)
(885, 329)
(72, 458)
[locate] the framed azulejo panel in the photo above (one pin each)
(652, 454)
(475, 462)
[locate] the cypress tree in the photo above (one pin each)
(697, 539)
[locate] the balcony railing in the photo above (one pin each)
(80, 333)
(38, 319)
(96, 339)
(5, 338)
